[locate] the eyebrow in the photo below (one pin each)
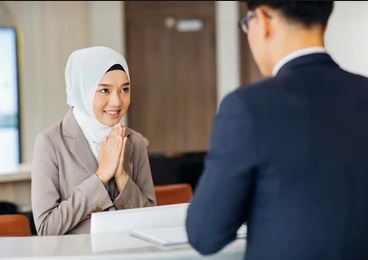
(109, 85)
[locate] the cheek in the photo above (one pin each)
(126, 100)
(98, 104)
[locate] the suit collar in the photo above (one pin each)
(78, 143)
(314, 59)
(296, 54)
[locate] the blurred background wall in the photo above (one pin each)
(49, 31)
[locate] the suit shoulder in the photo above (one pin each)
(251, 91)
(135, 137)
(363, 80)
(134, 134)
(51, 131)
(259, 85)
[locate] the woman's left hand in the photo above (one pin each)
(121, 177)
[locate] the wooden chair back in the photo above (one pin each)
(173, 193)
(14, 225)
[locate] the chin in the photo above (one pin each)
(109, 122)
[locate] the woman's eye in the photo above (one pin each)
(104, 90)
(125, 90)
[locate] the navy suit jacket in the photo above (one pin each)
(288, 156)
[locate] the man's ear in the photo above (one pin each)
(264, 20)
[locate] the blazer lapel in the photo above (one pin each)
(83, 153)
(78, 143)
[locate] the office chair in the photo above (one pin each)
(173, 193)
(14, 225)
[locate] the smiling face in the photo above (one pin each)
(112, 97)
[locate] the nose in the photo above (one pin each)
(115, 99)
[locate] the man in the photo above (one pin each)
(288, 155)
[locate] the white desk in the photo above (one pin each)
(104, 246)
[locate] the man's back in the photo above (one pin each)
(311, 179)
(287, 155)
(290, 152)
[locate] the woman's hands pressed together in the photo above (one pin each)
(111, 158)
(121, 177)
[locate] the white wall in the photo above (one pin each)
(227, 51)
(49, 31)
(106, 20)
(347, 35)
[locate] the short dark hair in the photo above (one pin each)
(307, 13)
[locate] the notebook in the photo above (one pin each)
(171, 235)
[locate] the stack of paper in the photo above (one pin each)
(139, 218)
(163, 236)
(172, 235)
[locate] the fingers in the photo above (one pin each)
(122, 152)
(118, 129)
(123, 126)
(102, 147)
(119, 133)
(123, 148)
(120, 169)
(123, 145)
(111, 153)
(115, 131)
(124, 142)
(116, 136)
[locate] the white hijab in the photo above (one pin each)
(84, 70)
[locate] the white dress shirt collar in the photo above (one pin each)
(296, 54)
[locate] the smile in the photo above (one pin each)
(112, 112)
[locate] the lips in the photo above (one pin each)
(112, 112)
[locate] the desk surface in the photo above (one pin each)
(104, 246)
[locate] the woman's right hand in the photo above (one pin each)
(109, 156)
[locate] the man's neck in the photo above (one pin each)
(292, 41)
(296, 54)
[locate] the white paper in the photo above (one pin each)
(139, 218)
(163, 236)
(172, 235)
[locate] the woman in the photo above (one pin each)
(89, 161)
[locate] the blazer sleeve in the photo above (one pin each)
(139, 189)
(219, 204)
(52, 215)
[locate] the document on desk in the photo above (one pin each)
(172, 235)
(162, 236)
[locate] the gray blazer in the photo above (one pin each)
(65, 188)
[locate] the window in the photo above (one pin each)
(9, 101)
